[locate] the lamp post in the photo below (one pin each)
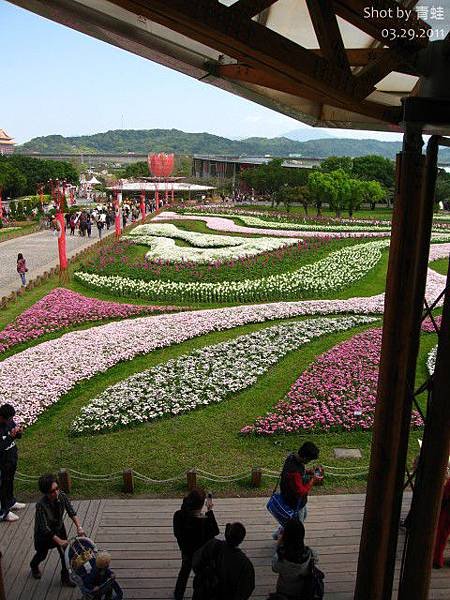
(142, 205)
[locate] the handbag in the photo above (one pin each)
(279, 509)
(313, 587)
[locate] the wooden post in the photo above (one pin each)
(2, 583)
(65, 483)
(128, 483)
(256, 477)
(427, 498)
(405, 288)
(191, 477)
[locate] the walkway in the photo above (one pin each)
(138, 533)
(41, 253)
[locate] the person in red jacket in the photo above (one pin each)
(443, 530)
(296, 482)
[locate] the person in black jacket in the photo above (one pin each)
(49, 528)
(192, 529)
(227, 564)
(9, 433)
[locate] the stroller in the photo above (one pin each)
(80, 556)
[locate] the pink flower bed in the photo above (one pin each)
(337, 392)
(64, 308)
(427, 325)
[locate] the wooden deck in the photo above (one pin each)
(138, 533)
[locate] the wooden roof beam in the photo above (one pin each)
(246, 74)
(251, 8)
(327, 32)
(377, 69)
(245, 40)
(354, 11)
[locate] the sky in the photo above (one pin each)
(58, 81)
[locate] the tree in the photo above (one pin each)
(335, 163)
(375, 168)
(442, 191)
(269, 179)
(373, 192)
(322, 188)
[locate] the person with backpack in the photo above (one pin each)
(192, 530)
(22, 268)
(222, 570)
(9, 433)
(298, 578)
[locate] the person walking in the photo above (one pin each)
(49, 529)
(222, 570)
(296, 482)
(192, 529)
(89, 225)
(22, 268)
(9, 433)
(292, 561)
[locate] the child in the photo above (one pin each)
(21, 267)
(100, 583)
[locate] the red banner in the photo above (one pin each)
(1, 205)
(143, 205)
(60, 228)
(117, 214)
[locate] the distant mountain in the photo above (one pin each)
(304, 134)
(180, 142)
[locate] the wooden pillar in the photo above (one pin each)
(405, 288)
(65, 483)
(431, 472)
(2, 583)
(191, 477)
(256, 477)
(128, 483)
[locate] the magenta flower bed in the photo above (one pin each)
(336, 393)
(64, 308)
(428, 326)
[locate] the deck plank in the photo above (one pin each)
(146, 559)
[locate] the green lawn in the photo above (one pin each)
(382, 214)
(206, 438)
(441, 266)
(25, 229)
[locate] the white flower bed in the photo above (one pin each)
(60, 364)
(208, 248)
(338, 270)
(3, 229)
(431, 360)
(205, 376)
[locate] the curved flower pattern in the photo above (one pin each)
(337, 392)
(338, 270)
(91, 351)
(64, 308)
(208, 248)
(227, 224)
(205, 376)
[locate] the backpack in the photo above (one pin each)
(313, 587)
(206, 581)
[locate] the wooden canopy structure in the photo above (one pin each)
(330, 63)
(327, 63)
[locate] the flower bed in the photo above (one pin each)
(60, 364)
(428, 325)
(431, 360)
(64, 308)
(337, 392)
(204, 377)
(7, 229)
(228, 225)
(338, 270)
(208, 248)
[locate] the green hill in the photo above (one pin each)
(142, 141)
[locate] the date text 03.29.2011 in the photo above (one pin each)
(411, 34)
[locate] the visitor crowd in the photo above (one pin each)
(222, 571)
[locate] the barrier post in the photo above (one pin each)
(191, 476)
(256, 477)
(65, 483)
(128, 483)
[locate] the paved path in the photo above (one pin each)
(41, 253)
(138, 533)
